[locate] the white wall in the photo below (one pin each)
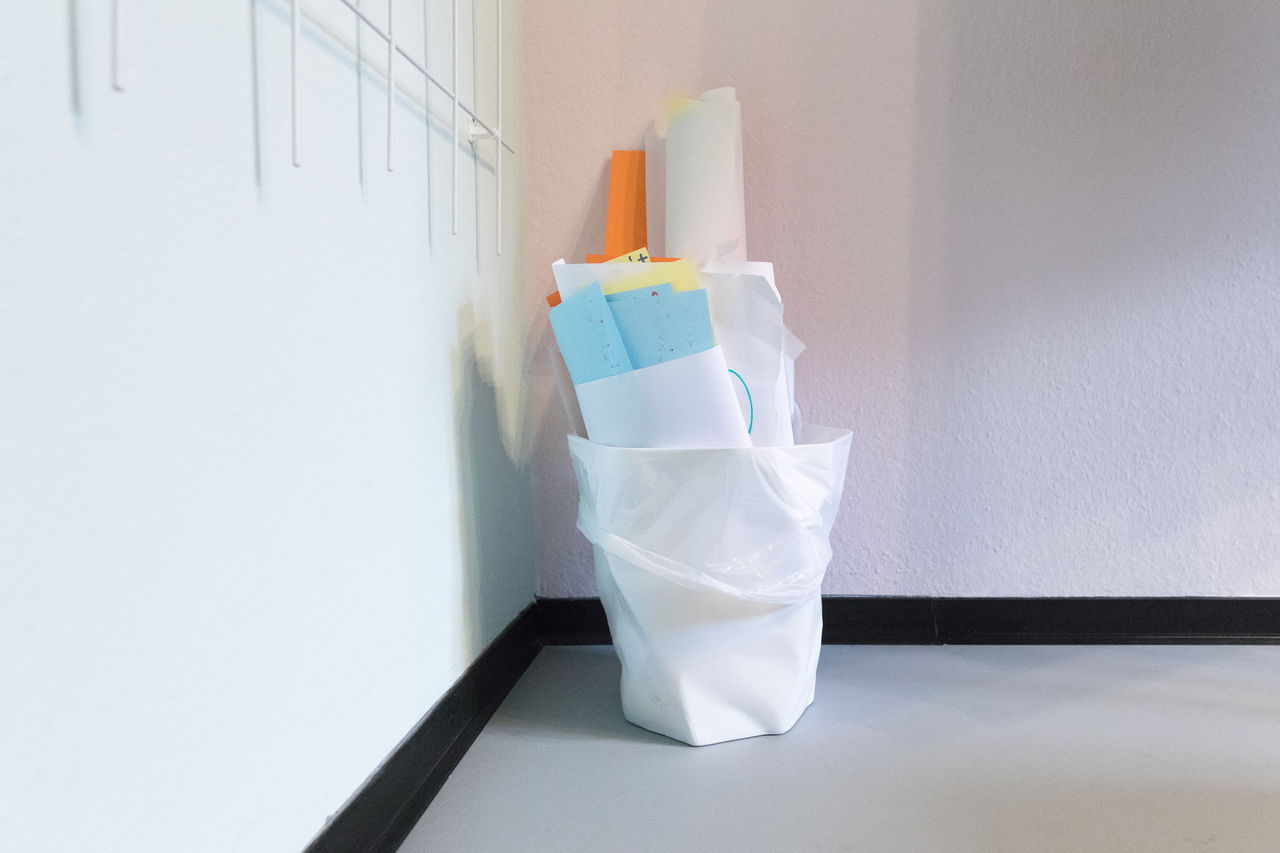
(258, 503)
(1034, 249)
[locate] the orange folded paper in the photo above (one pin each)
(625, 227)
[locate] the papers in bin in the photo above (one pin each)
(646, 369)
(746, 315)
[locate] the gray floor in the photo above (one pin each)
(906, 748)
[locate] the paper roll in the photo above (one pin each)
(706, 208)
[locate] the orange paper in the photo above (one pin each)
(625, 228)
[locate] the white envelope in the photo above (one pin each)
(688, 402)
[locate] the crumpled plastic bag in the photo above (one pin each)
(710, 566)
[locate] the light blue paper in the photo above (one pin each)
(663, 327)
(588, 336)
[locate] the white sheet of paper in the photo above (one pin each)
(688, 402)
(791, 349)
(747, 316)
(570, 278)
(764, 269)
(706, 208)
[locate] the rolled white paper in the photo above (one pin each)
(706, 208)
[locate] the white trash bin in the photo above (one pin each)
(710, 566)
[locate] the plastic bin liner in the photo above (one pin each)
(710, 567)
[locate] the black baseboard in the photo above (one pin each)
(856, 619)
(1108, 620)
(572, 622)
(852, 620)
(380, 815)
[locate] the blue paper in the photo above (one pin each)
(639, 292)
(588, 336)
(664, 326)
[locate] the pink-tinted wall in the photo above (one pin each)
(1031, 248)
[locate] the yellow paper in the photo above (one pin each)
(616, 277)
(639, 256)
(681, 274)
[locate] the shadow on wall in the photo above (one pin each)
(565, 561)
(495, 495)
(1094, 367)
(590, 237)
(562, 554)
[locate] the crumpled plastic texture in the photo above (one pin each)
(750, 522)
(710, 566)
